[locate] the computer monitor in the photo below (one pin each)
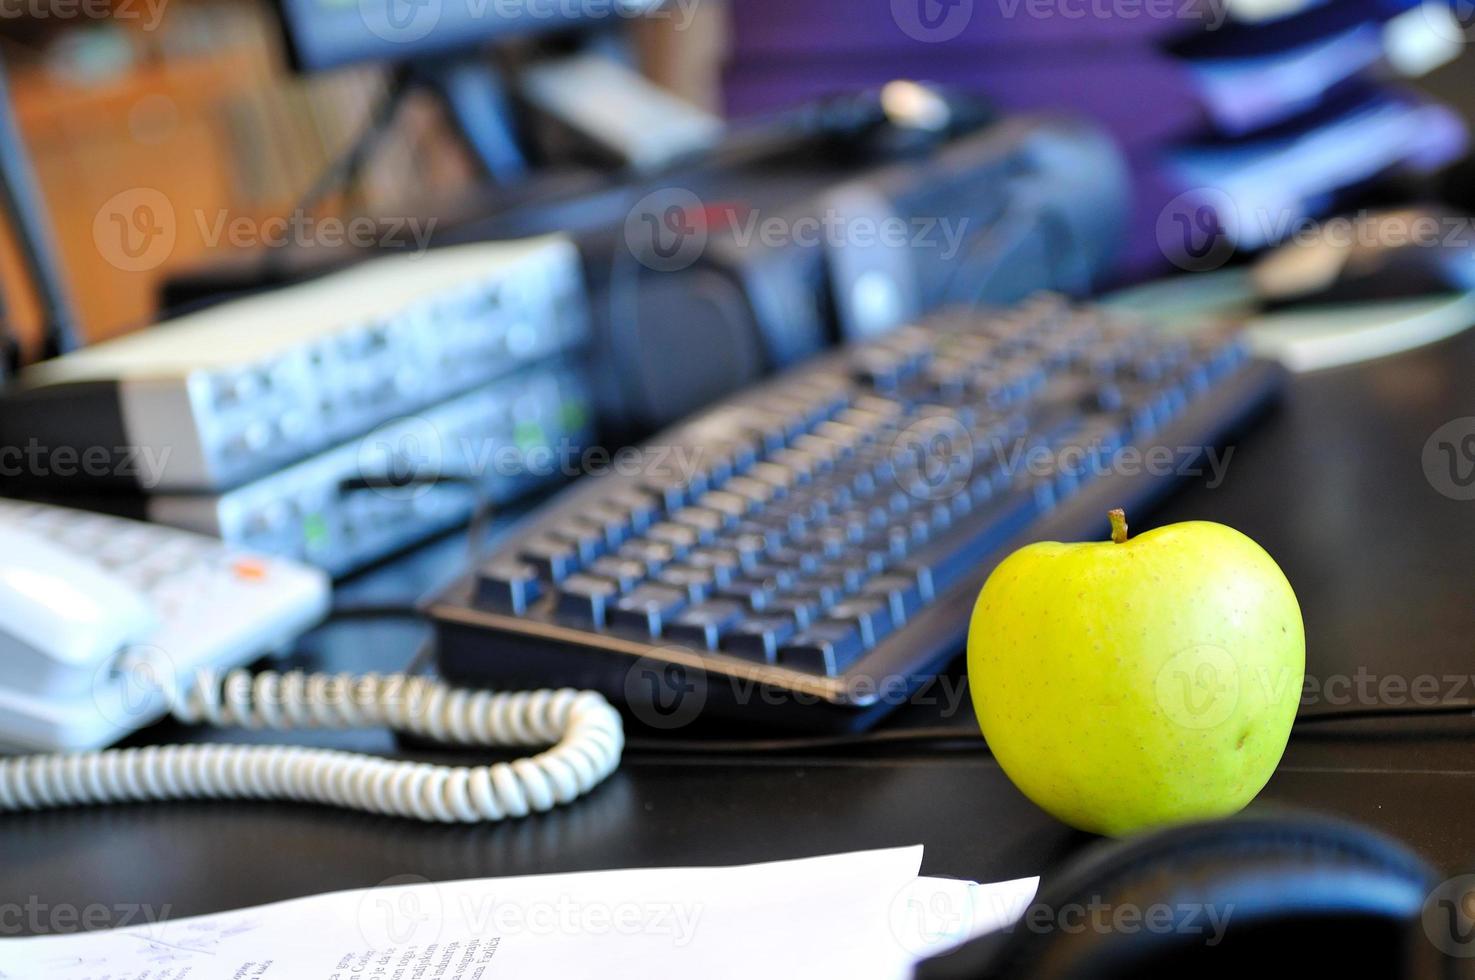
(323, 34)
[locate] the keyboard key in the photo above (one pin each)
(697, 583)
(707, 524)
(846, 527)
(724, 563)
(884, 408)
(900, 592)
(508, 585)
(1194, 379)
(827, 452)
(583, 599)
(647, 608)
(868, 561)
(716, 469)
(785, 520)
(1220, 355)
(769, 430)
(783, 576)
(654, 555)
(704, 625)
(939, 516)
(732, 507)
(621, 571)
(802, 562)
(802, 607)
(781, 478)
(640, 508)
(554, 558)
(753, 493)
(587, 538)
(871, 616)
(860, 477)
(850, 574)
(879, 368)
(953, 555)
(759, 637)
(769, 531)
(678, 537)
(828, 648)
(872, 517)
(898, 502)
(804, 465)
(849, 437)
(891, 544)
(613, 522)
(828, 543)
(757, 593)
(739, 450)
(827, 588)
(751, 547)
(674, 491)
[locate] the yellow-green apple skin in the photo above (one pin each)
(1124, 686)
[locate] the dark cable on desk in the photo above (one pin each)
(960, 738)
(953, 737)
(1366, 714)
(369, 611)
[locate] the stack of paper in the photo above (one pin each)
(852, 916)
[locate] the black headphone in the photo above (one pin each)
(1272, 891)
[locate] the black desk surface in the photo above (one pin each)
(1333, 485)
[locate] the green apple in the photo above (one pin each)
(1130, 684)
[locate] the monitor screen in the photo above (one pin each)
(324, 34)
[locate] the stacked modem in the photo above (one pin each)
(335, 421)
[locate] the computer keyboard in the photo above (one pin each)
(806, 554)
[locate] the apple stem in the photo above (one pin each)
(1118, 525)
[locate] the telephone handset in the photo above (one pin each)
(61, 617)
(107, 624)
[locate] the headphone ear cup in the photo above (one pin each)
(1228, 898)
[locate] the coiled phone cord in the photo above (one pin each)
(588, 733)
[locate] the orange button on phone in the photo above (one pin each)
(249, 569)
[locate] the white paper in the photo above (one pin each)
(851, 916)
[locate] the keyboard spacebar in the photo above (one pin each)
(953, 555)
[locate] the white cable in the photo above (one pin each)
(586, 729)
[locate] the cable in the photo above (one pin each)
(961, 738)
(343, 172)
(587, 731)
(367, 611)
(1363, 714)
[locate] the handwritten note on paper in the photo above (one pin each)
(852, 916)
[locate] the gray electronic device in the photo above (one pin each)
(1026, 204)
(220, 397)
(407, 479)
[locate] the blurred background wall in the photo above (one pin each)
(194, 97)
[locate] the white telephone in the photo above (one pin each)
(60, 616)
(85, 597)
(107, 624)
